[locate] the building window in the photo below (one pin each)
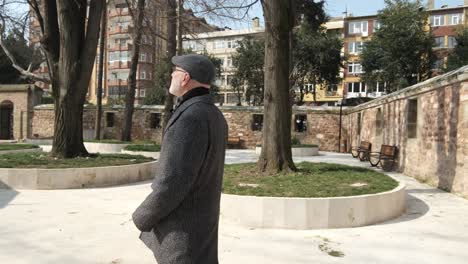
(110, 119)
(229, 61)
(142, 75)
(378, 122)
(356, 87)
(257, 122)
(439, 42)
(455, 19)
(232, 44)
(377, 25)
(229, 79)
(357, 27)
(300, 123)
(438, 64)
(123, 55)
(354, 67)
(412, 118)
(355, 47)
(219, 44)
(142, 92)
(452, 42)
(143, 57)
(437, 20)
(154, 120)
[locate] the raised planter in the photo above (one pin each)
(20, 151)
(149, 154)
(313, 213)
(92, 147)
(72, 178)
(297, 152)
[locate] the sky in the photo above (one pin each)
(335, 8)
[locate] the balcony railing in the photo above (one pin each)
(119, 12)
(119, 65)
(120, 30)
(120, 47)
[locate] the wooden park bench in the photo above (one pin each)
(387, 152)
(234, 141)
(362, 152)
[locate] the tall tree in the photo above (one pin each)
(132, 82)
(249, 74)
(276, 147)
(400, 52)
(459, 55)
(102, 41)
(69, 37)
(171, 22)
(317, 52)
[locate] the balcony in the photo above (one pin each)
(119, 12)
(120, 47)
(119, 65)
(117, 82)
(120, 30)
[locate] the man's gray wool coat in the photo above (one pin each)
(179, 219)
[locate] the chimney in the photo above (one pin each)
(256, 21)
(430, 4)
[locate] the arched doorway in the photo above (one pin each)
(6, 120)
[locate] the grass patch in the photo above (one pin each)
(143, 147)
(44, 161)
(311, 180)
(17, 146)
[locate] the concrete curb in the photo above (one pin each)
(149, 154)
(71, 178)
(314, 213)
(297, 152)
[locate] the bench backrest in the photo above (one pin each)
(366, 145)
(388, 150)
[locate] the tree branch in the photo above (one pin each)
(15, 65)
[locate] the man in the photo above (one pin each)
(179, 219)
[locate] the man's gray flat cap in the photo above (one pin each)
(199, 67)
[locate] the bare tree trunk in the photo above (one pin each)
(171, 51)
(70, 50)
(130, 96)
(97, 126)
(180, 12)
(276, 147)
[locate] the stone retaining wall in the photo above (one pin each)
(438, 151)
(322, 124)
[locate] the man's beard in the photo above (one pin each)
(174, 89)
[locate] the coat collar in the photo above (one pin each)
(207, 98)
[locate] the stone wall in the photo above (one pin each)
(322, 125)
(439, 151)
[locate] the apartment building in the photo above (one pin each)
(223, 45)
(357, 30)
(118, 49)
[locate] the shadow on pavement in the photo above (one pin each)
(415, 208)
(7, 194)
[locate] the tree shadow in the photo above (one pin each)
(415, 208)
(7, 194)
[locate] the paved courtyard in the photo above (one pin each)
(94, 226)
